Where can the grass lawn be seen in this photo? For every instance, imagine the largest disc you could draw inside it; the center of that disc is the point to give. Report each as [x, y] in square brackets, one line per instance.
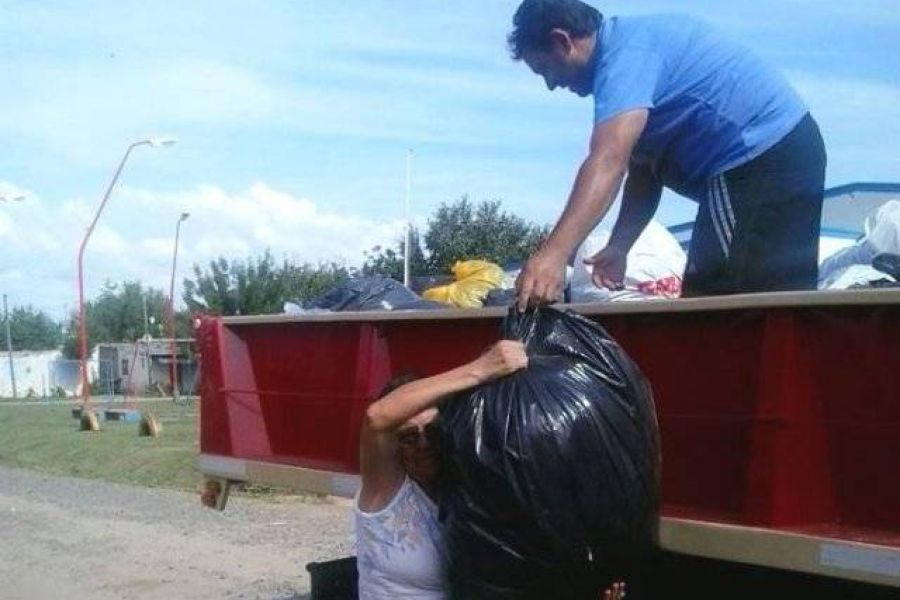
[44, 437]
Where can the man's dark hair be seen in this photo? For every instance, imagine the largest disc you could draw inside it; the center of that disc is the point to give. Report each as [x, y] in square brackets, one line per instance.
[535, 19]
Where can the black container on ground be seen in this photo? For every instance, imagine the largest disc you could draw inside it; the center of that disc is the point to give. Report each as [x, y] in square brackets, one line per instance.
[333, 579]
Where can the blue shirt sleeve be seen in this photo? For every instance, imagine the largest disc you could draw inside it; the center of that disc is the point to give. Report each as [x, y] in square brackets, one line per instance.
[625, 80]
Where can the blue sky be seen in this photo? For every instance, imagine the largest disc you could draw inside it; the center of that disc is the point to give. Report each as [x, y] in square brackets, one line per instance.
[293, 120]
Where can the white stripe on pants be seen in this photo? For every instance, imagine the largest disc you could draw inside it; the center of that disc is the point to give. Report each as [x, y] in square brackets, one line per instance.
[721, 212]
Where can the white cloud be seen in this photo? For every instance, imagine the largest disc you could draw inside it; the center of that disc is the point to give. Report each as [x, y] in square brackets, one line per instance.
[11, 212]
[159, 248]
[257, 92]
[11, 190]
[105, 241]
[6, 225]
[11, 276]
[259, 218]
[135, 234]
[213, 246]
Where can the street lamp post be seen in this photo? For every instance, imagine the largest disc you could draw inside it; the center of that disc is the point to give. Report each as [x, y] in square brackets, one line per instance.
[82, 324]
[173, 366]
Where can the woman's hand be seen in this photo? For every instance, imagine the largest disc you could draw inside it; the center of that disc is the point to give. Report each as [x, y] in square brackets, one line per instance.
[501, 359]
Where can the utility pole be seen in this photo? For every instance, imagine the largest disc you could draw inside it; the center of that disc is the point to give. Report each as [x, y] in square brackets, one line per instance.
[146, 321]
[407, 228]
[145, 360]
[12, 369]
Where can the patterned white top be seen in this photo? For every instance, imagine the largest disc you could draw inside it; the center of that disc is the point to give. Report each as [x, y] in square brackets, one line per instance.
[399, 549]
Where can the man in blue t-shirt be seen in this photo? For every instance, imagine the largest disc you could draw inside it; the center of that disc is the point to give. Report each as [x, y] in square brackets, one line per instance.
[678, 105]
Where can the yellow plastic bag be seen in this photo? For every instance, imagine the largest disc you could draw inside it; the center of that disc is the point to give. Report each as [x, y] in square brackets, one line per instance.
[474, 279]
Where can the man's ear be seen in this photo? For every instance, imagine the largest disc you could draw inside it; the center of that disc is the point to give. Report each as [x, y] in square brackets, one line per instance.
[561, 42]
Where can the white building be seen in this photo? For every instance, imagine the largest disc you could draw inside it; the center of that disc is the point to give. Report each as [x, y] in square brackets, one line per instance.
[38, 374]
[142, 366]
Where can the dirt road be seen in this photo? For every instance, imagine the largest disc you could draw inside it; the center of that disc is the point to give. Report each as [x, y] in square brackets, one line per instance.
[71, 538]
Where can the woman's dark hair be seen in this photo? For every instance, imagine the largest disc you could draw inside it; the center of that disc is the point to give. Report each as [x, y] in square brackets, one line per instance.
[535, 19]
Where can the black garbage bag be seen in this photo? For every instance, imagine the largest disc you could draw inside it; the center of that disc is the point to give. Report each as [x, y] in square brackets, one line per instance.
[552, 473]
[500, 298]
[371, 293]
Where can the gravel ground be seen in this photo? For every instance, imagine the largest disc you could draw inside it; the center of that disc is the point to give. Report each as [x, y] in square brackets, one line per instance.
[62, 537]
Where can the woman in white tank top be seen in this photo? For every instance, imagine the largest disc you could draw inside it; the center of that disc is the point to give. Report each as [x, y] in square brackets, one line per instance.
[398, 540]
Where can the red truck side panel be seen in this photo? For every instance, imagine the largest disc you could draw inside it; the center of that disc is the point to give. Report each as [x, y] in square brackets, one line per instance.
[775, 417]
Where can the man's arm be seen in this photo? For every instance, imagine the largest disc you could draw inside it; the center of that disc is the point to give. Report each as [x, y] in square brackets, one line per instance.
[596, 186]
[639, 203]
[640, 200]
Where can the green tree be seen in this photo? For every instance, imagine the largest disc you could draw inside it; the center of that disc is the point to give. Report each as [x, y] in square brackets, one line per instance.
[465, 231]
[212, 291]
[458, 231]
[389, 261]
[306, 282]
[249, 287]
[117, 315]
[32, 329]
[257, 285]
